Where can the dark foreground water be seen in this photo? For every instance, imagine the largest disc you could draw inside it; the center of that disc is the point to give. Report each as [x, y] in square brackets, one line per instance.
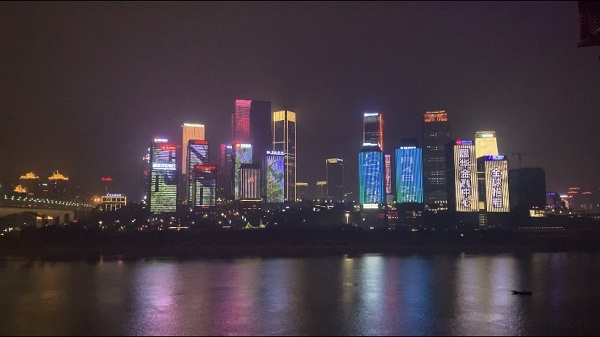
[452, 294]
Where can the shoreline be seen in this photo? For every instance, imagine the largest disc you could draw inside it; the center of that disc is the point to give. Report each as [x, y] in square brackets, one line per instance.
[285, 245]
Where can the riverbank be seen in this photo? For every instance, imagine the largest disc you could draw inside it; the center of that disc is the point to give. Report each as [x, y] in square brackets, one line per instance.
[68, 245]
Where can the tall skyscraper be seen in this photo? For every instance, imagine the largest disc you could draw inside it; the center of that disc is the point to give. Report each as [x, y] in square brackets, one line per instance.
[435, 136]
[189, 132]
[485, 144]
[274, 173]
[373, 129]
[527, 189]
[225, 173]
[163, 175]
[462, 176]
[334, 177]
[409, 173]
[493, 190]
[197, 154]
[284, 140]
[371, 186]
[204, 186]
[251, 124]
[242, 154]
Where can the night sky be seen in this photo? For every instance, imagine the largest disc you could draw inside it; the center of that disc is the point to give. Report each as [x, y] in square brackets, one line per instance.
[85, 87]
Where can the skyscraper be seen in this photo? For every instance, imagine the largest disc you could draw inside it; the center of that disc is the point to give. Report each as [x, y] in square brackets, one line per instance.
[251, 124]
[485, 144]
[242, 154]
[493, 190]
[462, 176]
[225, 173]
[274, 173]
[197, 154]
[373, 129]
[163, 177]
[189, 132]
[435, 136]
[409, 173]
[204, 186]
[284, 140]
[334, 176]
[371, 187]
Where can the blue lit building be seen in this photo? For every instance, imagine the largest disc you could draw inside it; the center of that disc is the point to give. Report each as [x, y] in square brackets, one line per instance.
[409, 174]
[371, 177]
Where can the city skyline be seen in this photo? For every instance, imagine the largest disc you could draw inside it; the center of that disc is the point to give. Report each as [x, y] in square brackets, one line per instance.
[100, 90]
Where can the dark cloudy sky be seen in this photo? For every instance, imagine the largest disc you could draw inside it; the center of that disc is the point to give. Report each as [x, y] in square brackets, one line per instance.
[85, 87]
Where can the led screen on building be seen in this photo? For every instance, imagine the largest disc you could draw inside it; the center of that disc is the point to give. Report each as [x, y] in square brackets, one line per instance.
[205, 186]
[242, 155]
[275, 174]
[465, 177]
[496, 185]
[370, 177]
[197, 154]
[250, 182]
[388, 174]
[163, 183]
[409, 174]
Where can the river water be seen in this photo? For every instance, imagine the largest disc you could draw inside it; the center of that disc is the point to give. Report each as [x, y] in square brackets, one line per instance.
[444, 294]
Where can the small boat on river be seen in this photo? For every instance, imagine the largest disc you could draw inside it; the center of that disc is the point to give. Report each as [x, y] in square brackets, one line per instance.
[521, 292]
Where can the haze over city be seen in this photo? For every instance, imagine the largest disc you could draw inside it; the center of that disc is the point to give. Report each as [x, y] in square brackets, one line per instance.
[87, 86]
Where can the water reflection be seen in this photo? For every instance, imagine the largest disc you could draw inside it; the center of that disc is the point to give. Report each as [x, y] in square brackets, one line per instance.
[361, 295]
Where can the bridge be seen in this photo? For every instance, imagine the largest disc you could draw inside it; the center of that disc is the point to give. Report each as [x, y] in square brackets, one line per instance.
[30, 210]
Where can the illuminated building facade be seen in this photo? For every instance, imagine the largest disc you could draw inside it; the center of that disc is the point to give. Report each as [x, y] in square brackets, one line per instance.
[31, 183]
[436, 135]
[197, 154]
[373, 129]
[146, 169]
[242, 154]
[388, 173]
[163, 177]
[112, 202]
[334, 177]
[250, 182]
[409, 174]
[204, 189]
[251, 124]
[190, 132]
[493, 190]
[274, 173]
[371, 177]
[527, 189]
[225, 173]
[284, 140]
[57, 186]
[462, 176]
[485, 144]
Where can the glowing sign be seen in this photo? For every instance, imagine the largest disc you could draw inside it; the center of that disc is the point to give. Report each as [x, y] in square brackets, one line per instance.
[371, 114]
[201, 142]
[465, 173]
[106, 179]
[276, 153]
[496, 183]
[164, 166]
[436, 116]
[388, 174]
[499, 157]
[168, 147]
[370, 206]
[161, 140]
